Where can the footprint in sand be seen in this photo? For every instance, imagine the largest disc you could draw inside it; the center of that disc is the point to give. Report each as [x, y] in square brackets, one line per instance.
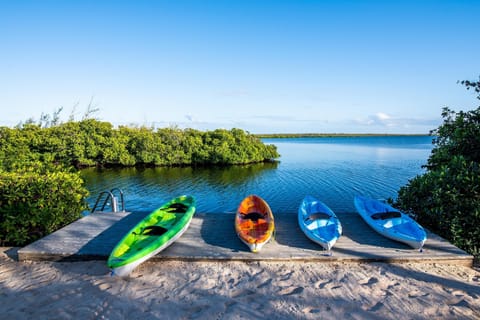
[458, 293]
[417, 294]
[286, 276]
[370, 281]
[258, 273]
[392, 286]
[311, 310]
[242, 293]
[327, 285]
[376, 307]
[291, 291]
[322, 285]
[461, 303]
[265, 284]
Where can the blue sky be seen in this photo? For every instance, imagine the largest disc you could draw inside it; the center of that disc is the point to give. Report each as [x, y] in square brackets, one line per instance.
[263, 66]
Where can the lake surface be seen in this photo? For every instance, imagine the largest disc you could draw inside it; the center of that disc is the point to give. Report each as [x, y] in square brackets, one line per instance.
[330, 169]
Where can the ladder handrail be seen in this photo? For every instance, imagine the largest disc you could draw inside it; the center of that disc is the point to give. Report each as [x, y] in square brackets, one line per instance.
[122, 201]
[108, 193]
[110, 196]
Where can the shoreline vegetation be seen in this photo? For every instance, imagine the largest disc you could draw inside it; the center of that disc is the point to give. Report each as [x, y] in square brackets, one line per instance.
[91, 142]
[336, 135]
[41, 189]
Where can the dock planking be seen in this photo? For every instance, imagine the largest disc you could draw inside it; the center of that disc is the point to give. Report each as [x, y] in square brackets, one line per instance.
[212, 237]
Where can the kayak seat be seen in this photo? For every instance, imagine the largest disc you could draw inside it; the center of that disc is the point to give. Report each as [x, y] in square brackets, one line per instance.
[153, 231]
[318, 216]
[386, 215]
[254, 216]
[317, 224]
[177, 208]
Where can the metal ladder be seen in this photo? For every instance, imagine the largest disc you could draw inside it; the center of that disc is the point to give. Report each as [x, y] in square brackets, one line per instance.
[110, 199]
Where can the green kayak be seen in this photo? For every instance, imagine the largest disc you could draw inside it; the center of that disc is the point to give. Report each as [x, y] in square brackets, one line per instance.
[152, 234]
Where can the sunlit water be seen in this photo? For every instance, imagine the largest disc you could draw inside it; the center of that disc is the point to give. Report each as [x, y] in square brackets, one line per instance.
[331, 169]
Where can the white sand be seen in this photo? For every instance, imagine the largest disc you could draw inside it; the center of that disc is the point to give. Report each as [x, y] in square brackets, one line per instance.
[236, 290]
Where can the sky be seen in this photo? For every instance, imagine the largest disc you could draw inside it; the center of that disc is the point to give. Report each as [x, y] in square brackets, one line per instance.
[262, 66]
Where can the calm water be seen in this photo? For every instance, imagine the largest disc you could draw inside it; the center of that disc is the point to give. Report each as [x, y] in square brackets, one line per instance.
[331, 169]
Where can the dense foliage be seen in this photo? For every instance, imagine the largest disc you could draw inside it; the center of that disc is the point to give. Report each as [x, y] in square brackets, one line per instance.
[93, 143]
[38, 200]
[41, 192]
[446, 199]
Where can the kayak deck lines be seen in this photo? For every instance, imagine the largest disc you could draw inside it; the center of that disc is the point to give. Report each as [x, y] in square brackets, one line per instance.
[212, 237]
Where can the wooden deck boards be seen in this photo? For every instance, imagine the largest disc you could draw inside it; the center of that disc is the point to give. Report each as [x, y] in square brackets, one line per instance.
[212, 237]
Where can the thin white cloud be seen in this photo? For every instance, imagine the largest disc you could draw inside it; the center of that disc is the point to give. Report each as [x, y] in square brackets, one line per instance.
[382, 116]
[378, 123]
[382, 119]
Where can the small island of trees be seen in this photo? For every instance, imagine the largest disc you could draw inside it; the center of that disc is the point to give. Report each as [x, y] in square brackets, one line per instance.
[41, 189]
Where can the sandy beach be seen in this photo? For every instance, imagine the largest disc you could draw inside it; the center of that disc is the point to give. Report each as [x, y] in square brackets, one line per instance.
[237, 290]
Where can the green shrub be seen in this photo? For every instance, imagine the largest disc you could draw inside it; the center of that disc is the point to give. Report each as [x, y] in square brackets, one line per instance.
[40, 191]
[34, 204]
[95, 143]
[446, 199]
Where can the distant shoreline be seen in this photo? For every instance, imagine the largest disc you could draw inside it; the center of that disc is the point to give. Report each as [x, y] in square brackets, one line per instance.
[334, 135]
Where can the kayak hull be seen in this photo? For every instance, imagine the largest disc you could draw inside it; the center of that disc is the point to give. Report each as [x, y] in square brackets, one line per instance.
[319, 223]
[151, 235]
[390, 222]
[254, 222]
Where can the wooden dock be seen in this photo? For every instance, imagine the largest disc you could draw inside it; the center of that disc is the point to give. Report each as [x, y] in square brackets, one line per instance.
[212, 237]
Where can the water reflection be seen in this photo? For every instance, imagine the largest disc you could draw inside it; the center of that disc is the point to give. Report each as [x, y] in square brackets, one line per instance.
[147, 188]
[332, 169]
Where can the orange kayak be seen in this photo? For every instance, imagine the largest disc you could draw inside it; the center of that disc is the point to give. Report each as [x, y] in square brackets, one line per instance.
[254, 222]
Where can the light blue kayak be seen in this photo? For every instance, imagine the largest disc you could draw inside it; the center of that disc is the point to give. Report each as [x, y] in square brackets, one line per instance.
[390, 222]
[319, 222]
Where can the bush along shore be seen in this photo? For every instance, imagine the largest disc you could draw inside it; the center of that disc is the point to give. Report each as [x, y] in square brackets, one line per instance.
[94, 143]
[40, 186]
[446, 199]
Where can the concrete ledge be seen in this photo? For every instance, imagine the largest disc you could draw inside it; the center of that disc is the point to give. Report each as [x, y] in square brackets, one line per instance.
[212, 237]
